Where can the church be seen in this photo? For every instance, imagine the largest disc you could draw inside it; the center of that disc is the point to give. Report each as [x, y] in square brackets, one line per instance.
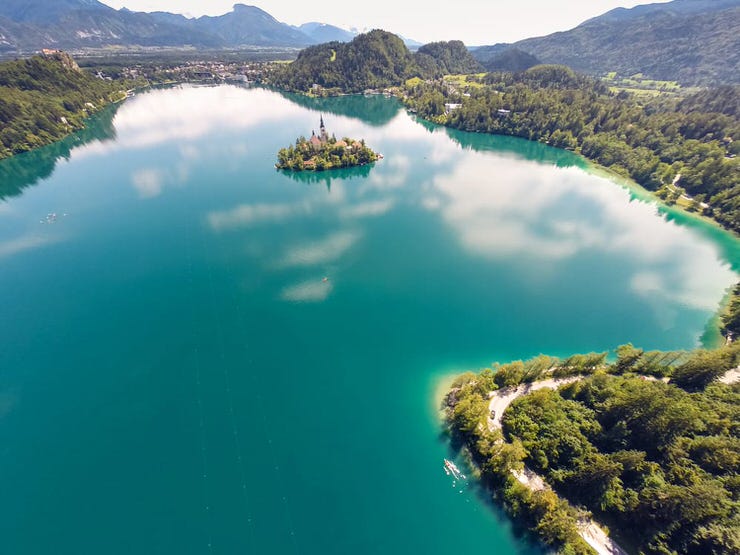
[322, 138]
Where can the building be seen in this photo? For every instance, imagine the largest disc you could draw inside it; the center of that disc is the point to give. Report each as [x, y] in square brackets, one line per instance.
[323, 135]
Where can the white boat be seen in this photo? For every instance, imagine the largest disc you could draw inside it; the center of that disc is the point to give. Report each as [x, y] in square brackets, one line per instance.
[451, 468]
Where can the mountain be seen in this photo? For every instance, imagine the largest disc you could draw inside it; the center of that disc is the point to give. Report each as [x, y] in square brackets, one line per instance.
[694, 42]
[44, 98]
[511, 59]
[444, 58]
[46, 11]
[29, 25]
[373, 60]
[250, 25]
[323, 32]
[377, 59]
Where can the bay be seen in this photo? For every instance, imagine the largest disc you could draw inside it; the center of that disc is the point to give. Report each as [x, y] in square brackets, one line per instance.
[201, 354]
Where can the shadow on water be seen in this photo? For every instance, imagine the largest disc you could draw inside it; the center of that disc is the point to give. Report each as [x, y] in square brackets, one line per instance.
[326, 177]
[374, 110]
[27, 169]
[523, 148]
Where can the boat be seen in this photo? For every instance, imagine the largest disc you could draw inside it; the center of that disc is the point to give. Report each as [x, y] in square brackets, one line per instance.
[452, 469]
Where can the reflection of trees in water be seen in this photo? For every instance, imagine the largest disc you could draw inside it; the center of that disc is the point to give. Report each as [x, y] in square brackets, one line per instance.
[378, 110]
[24, 170]
[523, 148]
[373, 110]
[326, 177]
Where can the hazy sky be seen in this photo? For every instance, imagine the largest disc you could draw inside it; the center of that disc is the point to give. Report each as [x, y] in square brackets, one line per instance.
[473, 21]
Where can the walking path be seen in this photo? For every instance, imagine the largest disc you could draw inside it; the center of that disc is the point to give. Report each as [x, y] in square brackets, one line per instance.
[588, 529]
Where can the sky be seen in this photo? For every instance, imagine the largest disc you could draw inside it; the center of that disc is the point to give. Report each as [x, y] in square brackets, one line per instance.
[476, 22]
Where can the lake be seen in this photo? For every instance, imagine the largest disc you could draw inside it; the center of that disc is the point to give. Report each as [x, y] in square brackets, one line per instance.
[202, 354]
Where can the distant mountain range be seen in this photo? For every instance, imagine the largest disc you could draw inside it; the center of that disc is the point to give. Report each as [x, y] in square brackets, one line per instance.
[694, 42]
[30, 25]
[691, 41]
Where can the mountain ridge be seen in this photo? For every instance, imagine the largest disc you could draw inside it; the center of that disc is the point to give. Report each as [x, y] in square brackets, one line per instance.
[693, 42]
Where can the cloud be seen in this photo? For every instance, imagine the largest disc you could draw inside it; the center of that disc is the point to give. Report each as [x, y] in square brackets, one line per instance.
[320, 252]
[307, 291]
[554, 214]
[25, 243]
[367, 209]
[148, 182]
[247, 215]
[391, 173]
[192, 112]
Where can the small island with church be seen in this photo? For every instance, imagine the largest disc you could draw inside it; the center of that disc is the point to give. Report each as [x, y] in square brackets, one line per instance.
[322, 152]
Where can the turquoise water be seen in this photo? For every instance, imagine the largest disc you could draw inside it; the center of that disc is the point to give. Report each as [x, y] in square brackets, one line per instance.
[176, 376]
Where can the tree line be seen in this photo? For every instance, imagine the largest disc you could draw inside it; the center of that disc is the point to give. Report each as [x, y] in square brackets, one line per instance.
[676, 149]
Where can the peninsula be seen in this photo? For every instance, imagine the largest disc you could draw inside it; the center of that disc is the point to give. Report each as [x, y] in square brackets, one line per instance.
[646, 443]
[322, 152]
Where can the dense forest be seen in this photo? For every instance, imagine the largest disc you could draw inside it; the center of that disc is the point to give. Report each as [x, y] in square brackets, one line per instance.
[374, 60]
[657, 459]
[685, 151]
[43, 99]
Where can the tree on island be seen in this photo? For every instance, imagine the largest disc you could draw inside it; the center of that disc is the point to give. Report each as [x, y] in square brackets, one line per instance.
[322, 152]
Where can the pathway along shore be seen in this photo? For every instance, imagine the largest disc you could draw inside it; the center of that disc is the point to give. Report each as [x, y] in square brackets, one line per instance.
[592, 533]
[589, 529]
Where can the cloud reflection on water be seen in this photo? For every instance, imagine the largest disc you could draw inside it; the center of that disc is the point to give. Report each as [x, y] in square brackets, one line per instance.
[499, 205]
[158, 117]
[318, 252]
[27, 242]
[315, 290]
[552, 215]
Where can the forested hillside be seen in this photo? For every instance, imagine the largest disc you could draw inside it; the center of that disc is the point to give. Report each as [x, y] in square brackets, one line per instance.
[43, 99]
[373, 60]
[687, 148]
[694, 42]
[443, 58]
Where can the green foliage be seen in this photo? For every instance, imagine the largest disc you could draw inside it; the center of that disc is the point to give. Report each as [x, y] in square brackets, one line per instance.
[325, 156]
[43, 100]
[374, 60]
[703, 367]
[666, 147]
[720, 100]
[510, 59]
[567, 423]
[444, 58]
[644, 452]
[654, 459]
[731, 317]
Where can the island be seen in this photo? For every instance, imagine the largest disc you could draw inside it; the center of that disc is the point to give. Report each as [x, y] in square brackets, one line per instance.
[322, 152]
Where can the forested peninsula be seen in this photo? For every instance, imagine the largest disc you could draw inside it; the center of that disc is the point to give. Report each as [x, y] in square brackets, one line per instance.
[682, 148]
[47, 97]
[647, 444]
